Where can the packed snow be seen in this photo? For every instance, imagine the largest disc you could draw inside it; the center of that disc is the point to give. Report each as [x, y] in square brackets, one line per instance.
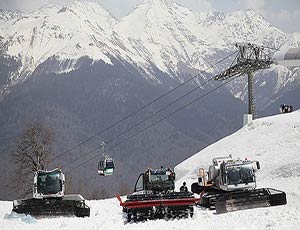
[274, 141]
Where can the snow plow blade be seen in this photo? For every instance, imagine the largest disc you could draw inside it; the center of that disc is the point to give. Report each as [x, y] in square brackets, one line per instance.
[146, 206]
[256, 198]
[69, 205]
[155, 201]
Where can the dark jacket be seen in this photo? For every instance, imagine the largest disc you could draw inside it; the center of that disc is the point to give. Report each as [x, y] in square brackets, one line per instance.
[183, 189]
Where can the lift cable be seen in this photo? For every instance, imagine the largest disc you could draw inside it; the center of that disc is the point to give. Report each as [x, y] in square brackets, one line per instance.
[155, 123]
[143, 121]
[140, 109]
[139, 132]
[146, 119]
[127, 116]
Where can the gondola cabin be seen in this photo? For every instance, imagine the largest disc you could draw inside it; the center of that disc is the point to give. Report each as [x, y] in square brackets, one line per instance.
[106, 166]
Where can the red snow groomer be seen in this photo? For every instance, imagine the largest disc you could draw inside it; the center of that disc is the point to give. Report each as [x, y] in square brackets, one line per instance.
[154, 197]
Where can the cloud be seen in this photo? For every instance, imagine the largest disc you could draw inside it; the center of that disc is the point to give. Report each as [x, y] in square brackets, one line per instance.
[196, 5]
[24, 6]
[257, 5]
[30, 5]
[119, 8]
[254, 4]
[285, 19]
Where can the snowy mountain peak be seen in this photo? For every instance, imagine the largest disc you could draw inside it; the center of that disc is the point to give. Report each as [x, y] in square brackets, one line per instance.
[166, 30]
[249, 15]
[158, 33]
[249, 11]
[155, 11]
[82, 29]
[6, 15]
[158, 2]
[215, 15]
[159, 8]
[47, 10]
[89, 12]
[87, 7]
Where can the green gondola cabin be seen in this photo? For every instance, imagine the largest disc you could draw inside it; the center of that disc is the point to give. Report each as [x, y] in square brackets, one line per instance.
[106, 166]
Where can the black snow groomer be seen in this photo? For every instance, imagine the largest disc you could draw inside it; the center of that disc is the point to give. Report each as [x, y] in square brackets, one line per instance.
[230, 185]
[49, 198]
[154, 198]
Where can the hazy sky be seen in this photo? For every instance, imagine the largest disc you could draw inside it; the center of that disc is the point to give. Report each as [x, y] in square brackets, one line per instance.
[284, 14]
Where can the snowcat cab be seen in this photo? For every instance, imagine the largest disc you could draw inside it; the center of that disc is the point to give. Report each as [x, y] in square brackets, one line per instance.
[228, 175]
[156, 181]
[236, 175]
[230, 185]
[106, 166]
[49, 198]
[48, 184]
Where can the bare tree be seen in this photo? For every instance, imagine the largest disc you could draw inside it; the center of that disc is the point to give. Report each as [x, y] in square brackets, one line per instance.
[31, 153]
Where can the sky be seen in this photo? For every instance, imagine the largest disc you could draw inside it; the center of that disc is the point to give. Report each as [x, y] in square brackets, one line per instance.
[285, 14]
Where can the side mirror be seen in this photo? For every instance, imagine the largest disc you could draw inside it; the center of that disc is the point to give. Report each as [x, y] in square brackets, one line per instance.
[257, 165]
[63, 177]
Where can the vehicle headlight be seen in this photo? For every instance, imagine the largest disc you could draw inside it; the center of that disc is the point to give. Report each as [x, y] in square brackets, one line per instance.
[17, 202]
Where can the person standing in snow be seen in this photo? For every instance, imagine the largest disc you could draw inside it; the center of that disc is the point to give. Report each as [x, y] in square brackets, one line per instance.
[183, 188]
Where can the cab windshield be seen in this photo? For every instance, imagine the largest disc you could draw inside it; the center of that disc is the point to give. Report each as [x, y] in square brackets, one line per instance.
[110, 164]
[240, 174]
[158, 175]
[49, 183]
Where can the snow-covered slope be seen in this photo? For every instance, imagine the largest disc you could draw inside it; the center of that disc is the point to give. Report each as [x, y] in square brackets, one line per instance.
[274, 141]
[164, 28]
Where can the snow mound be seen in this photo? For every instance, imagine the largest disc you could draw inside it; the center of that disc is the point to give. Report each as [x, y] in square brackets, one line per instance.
[28, 219]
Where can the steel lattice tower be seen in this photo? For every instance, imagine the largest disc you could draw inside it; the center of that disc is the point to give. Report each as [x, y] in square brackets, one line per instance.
[250, 58]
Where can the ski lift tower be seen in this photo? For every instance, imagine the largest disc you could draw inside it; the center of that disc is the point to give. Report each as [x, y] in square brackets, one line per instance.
[250, 58]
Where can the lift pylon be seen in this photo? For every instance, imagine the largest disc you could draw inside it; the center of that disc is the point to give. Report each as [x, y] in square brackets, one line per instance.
[250, 59]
